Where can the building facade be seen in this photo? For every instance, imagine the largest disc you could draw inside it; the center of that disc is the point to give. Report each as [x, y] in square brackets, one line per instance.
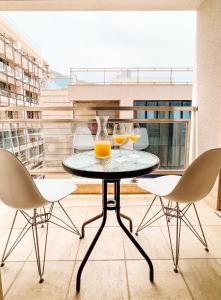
[22, 74]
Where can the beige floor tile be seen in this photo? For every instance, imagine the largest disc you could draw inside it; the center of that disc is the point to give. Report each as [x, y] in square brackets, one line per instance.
[77, 214]
[203, 278]
[190, 246]
[105, 276]
[57, 277]
[109, 246]
[62, 245]
[167, 284]
[23, 249]
[213, 236]
[9, 273]
[2, 232]
[136, 200]
[152, 241]
[101, 280]
[136, 213]
[206, 214]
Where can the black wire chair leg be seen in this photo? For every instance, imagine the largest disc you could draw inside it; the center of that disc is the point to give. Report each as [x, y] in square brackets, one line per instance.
[75, 228]
[88, 222]
[177, 215]
[201, 228]
[40, 266]
[129, 220]
[144, 217]
[168, 229]
[22, 233]
[178, 233]
[6, 246]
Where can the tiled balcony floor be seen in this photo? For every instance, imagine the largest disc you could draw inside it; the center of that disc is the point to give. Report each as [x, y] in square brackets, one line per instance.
[115, 269]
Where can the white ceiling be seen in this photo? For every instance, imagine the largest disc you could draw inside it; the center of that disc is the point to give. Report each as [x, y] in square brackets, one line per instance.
[102, 5]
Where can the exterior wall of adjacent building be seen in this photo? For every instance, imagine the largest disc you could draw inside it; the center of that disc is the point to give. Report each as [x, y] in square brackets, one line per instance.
[22, 73]
[127, 93]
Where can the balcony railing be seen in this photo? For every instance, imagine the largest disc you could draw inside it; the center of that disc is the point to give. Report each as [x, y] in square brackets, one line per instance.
[169, 138]
[88, 76]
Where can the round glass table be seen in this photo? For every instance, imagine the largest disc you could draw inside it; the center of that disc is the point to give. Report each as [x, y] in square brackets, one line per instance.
[85, 164]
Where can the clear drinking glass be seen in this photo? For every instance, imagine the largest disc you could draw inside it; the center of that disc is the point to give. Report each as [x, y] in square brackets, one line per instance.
[120, 137]
[134, 135]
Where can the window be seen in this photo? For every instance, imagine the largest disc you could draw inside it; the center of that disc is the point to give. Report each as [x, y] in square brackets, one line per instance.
[166, 140]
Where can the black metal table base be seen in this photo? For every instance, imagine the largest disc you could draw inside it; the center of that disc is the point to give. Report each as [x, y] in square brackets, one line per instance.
[111, 205]
[100, 216]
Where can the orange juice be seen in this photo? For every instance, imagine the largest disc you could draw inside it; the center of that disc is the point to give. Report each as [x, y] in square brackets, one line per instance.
[102, 149]
[134, 137]
[119, 139]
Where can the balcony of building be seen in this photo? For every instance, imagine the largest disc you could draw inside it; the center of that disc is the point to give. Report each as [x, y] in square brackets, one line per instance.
[115, 269]
[42, 143]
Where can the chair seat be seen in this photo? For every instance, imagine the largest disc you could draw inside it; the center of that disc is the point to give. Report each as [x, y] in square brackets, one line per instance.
[160, 186]
[55, 189]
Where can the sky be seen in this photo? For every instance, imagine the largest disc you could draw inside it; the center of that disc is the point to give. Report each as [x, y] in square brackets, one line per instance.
[109, 39]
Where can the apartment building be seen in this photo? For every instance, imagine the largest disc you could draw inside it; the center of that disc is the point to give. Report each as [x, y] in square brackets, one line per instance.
[168, 132]
[22, 73]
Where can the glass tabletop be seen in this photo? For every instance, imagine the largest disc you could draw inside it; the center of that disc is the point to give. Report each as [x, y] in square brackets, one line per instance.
[85, 164]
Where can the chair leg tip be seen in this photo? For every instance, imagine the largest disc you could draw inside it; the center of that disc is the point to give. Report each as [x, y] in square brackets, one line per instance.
[207, 250]
[136, 233]
[175, 270]
[41, 280]
[2, 264]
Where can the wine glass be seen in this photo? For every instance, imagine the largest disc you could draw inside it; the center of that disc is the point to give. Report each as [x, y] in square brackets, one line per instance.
[134, 136]
[119, 137]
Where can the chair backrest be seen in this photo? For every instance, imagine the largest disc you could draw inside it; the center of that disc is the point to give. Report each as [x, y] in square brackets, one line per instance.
[17, 189]
[83, 139]
[143, 141]
[199, 178]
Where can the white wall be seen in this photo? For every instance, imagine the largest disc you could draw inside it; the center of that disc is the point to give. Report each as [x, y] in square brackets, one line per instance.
[208, 81]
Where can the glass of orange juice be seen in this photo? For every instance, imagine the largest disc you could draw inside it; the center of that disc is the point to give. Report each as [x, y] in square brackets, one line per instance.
[134, 136]
[102, 149]
[120, 137]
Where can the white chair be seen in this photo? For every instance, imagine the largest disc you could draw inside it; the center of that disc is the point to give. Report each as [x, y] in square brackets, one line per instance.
[195, 184]
[143, 142]
[83, 139]
[19, 191]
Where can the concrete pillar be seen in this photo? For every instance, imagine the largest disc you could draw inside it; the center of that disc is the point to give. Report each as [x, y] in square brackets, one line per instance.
[208, 79]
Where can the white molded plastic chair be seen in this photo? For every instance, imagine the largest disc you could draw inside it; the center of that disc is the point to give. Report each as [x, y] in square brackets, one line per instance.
[83, 139]
[19, 191]
[195, 184]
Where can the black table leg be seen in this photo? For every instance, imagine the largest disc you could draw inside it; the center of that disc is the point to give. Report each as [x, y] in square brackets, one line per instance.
[113, 205]
[133, 240]
[100, 215]
[123, 215]
[129, 219]
[104, 193]
[88, 222]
